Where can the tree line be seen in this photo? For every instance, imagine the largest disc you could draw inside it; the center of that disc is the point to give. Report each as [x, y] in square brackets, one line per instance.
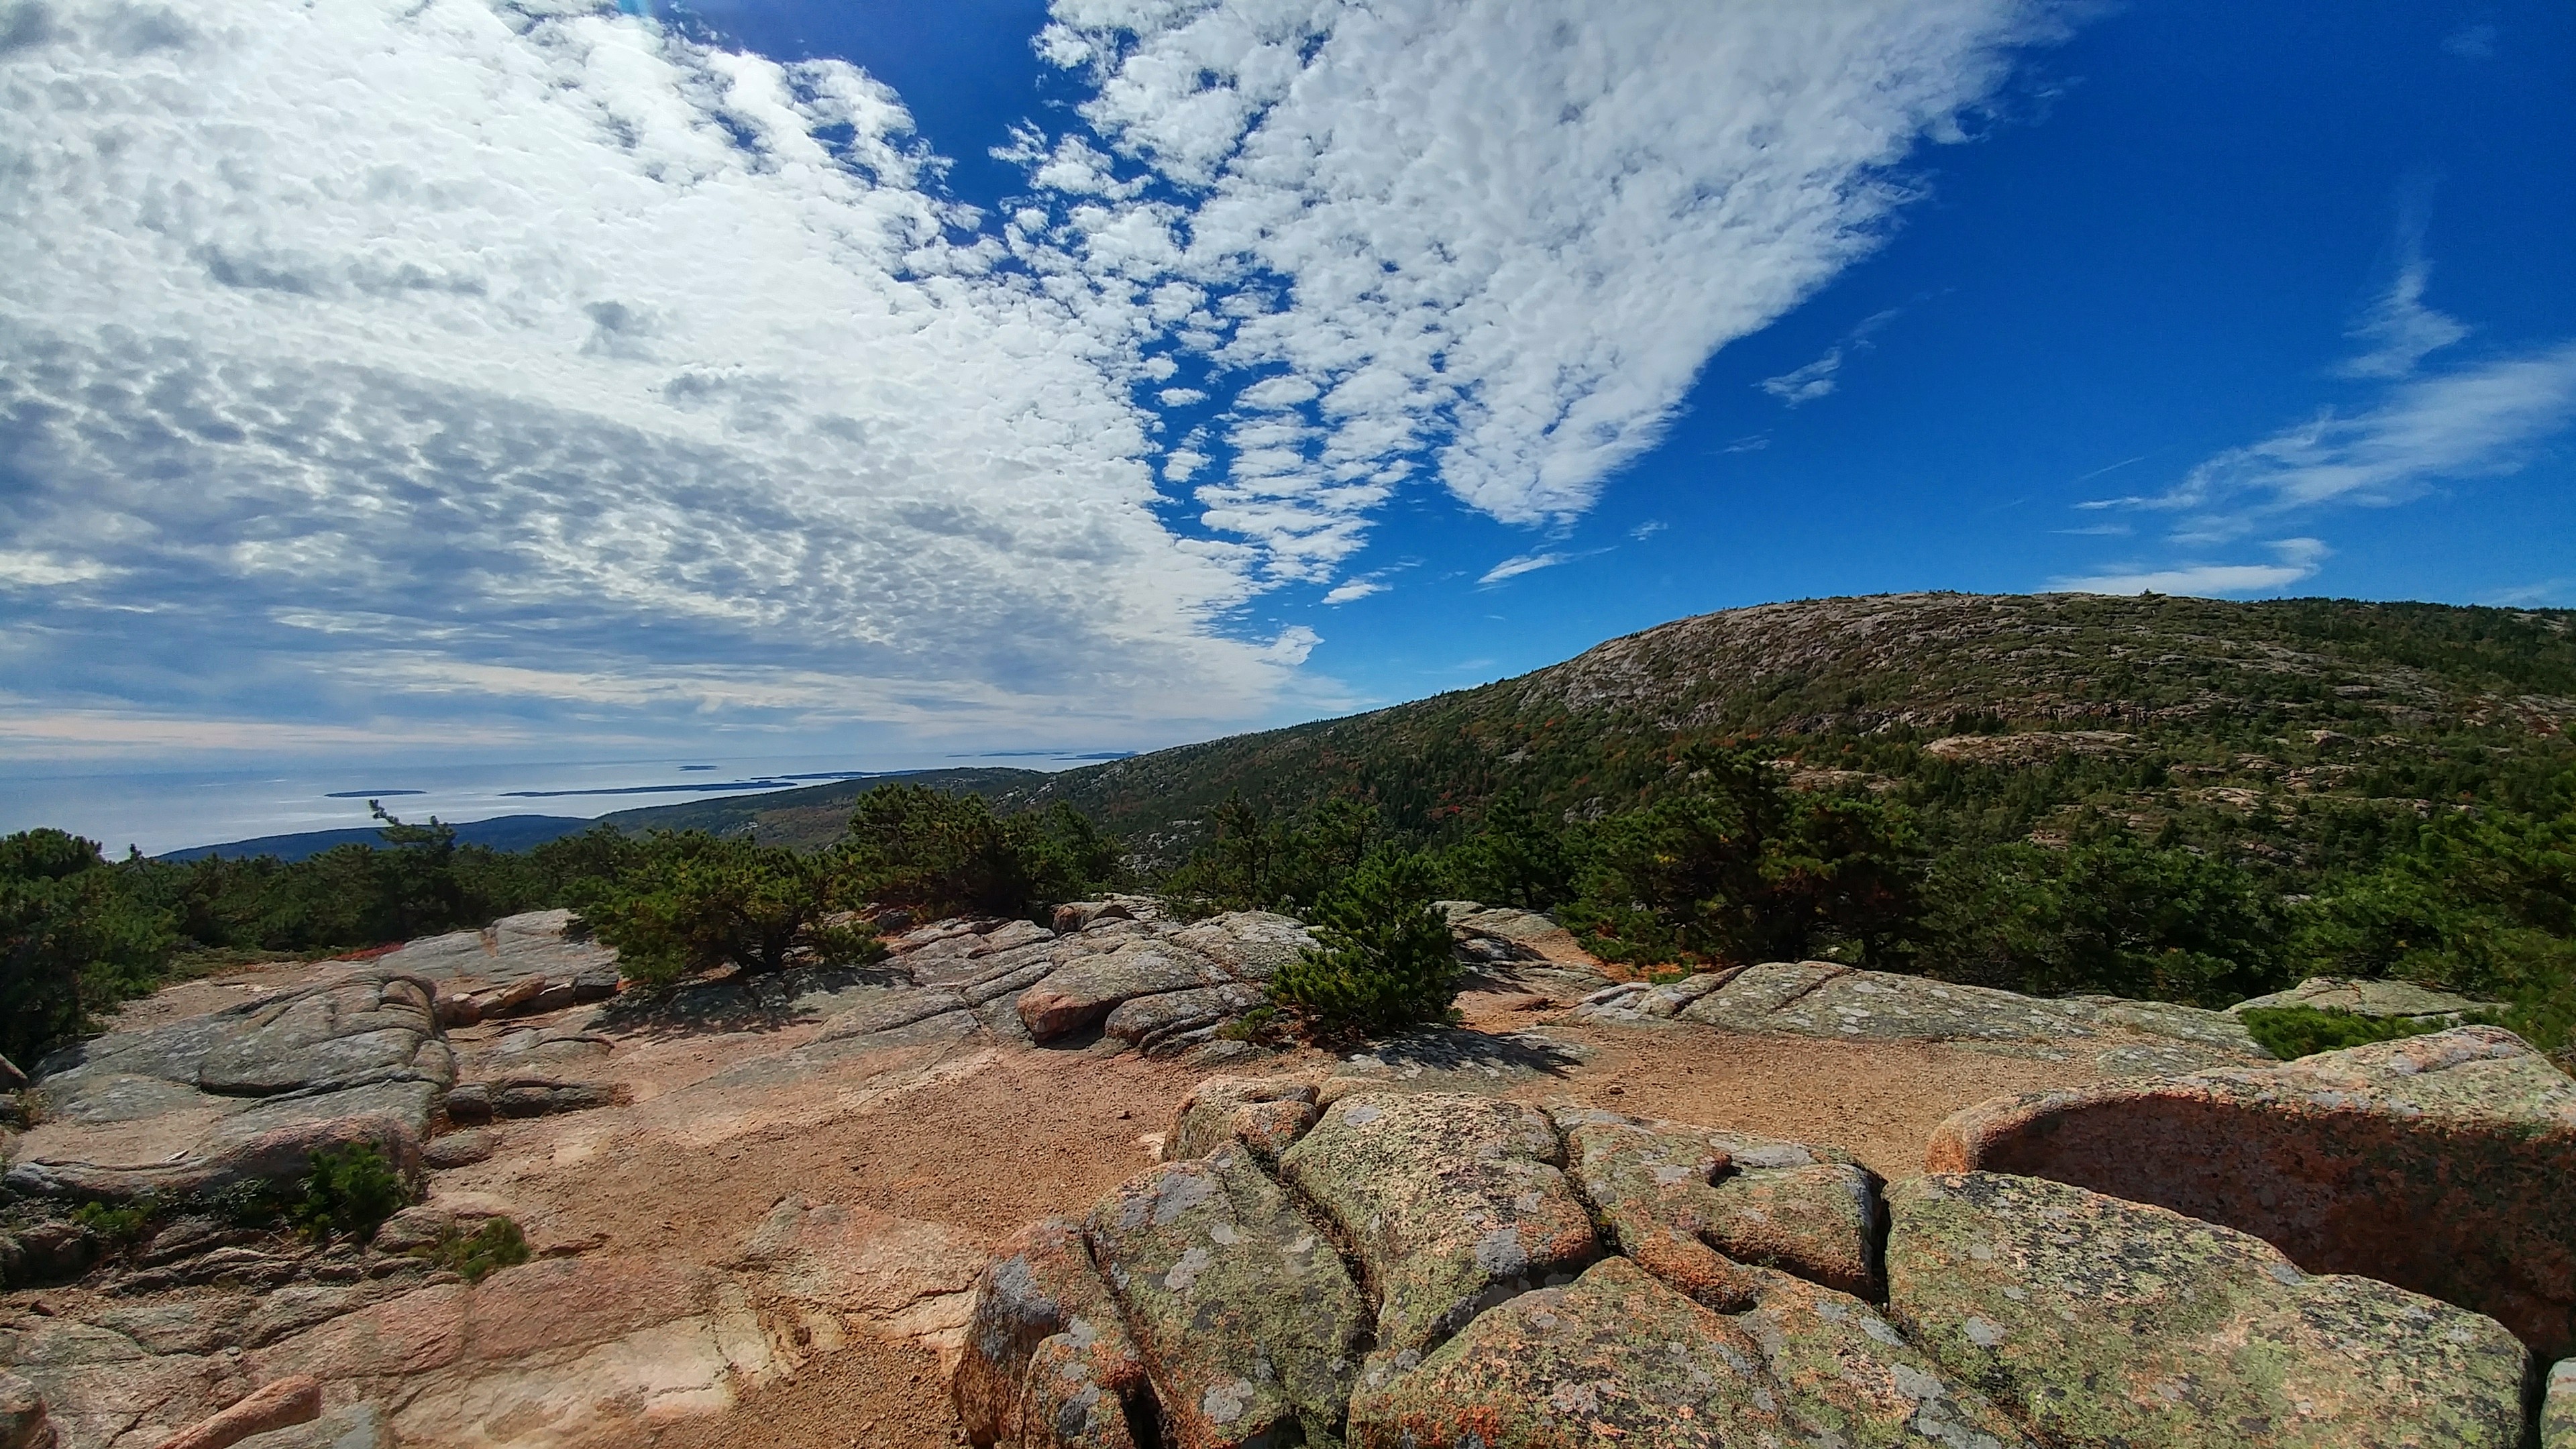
[1727, 863]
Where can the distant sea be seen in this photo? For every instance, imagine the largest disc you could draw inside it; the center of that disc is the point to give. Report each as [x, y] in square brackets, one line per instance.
[162, 811]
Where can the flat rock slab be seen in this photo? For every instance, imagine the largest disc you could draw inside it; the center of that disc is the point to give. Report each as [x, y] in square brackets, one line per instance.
[1249, 1325]
[2439, 1163]
[1820, 998]
[247, 1093]
[1451, 1204]
[1692, 1205]
[2095, 1321]
[537, 944]
[2371, 998]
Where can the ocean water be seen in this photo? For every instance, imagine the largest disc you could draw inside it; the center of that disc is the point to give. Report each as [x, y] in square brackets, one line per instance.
[157, 811]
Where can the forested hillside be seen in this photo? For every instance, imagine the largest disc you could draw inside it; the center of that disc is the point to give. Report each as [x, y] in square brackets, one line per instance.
[2032, 706]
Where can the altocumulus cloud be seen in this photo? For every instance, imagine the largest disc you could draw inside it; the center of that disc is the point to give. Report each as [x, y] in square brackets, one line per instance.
[527, 368]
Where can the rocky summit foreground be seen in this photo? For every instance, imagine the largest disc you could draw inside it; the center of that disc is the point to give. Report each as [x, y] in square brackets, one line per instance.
[1514, 1277]
[995, 1173]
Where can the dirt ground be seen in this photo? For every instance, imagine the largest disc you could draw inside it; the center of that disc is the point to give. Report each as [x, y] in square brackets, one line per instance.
[984, 1139]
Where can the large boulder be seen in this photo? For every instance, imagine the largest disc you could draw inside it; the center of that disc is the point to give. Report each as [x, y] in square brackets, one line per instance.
[1691, 1205]
[2439, 1163]
[1046, 1353]
[24, 1423]
[1265, 1114]
[1452, 1204]
[1083, 992]
[244, 1094]
[2095, 1321]
[1249, 1326]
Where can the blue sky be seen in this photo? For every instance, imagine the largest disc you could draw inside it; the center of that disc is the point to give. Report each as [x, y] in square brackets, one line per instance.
[392, 381]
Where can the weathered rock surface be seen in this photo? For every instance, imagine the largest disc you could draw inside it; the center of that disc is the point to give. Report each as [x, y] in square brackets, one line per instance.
[2558, 1407]
[1047, 1359]
[23, 1421]
[1820, 998]
[1613, 1357]
[2439, 1163]
[1144, 982]
[1691, 1205]
[2373, 998]
[1847, 1376]
[287, 1402]
[359, 1426]
[2095, 1321]
[1451, 1204]
[1504, 948]
[538, 961]
[1247, 1322]
[246, 1093]
[1266, 1114]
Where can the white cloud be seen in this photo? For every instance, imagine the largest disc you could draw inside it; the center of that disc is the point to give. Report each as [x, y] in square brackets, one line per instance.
[1808, 383]
[2297, 559]
[1648, 529]
[2399, 330]
[524, 365]
[1354, 591]
[1500, 237]
[534, 343]
[1527, 563]
[2475, 422]
[1818, 378]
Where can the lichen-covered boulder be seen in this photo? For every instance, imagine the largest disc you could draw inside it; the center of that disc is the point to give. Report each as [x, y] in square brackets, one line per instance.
[1848, 1377]
[1614, 1357]
[1690, 1204]
[2558, 1407]
[1451, 1203]
[1265, 1114]
[1046, 1359]
[2095, 1321]
[2439, 1163]
[1248, 1325]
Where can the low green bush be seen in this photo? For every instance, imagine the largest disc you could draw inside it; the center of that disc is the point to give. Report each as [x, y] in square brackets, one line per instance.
[495, 1245]
[1383, 960]
[119, 1223]
[2291, 1032]
[349, 1192]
